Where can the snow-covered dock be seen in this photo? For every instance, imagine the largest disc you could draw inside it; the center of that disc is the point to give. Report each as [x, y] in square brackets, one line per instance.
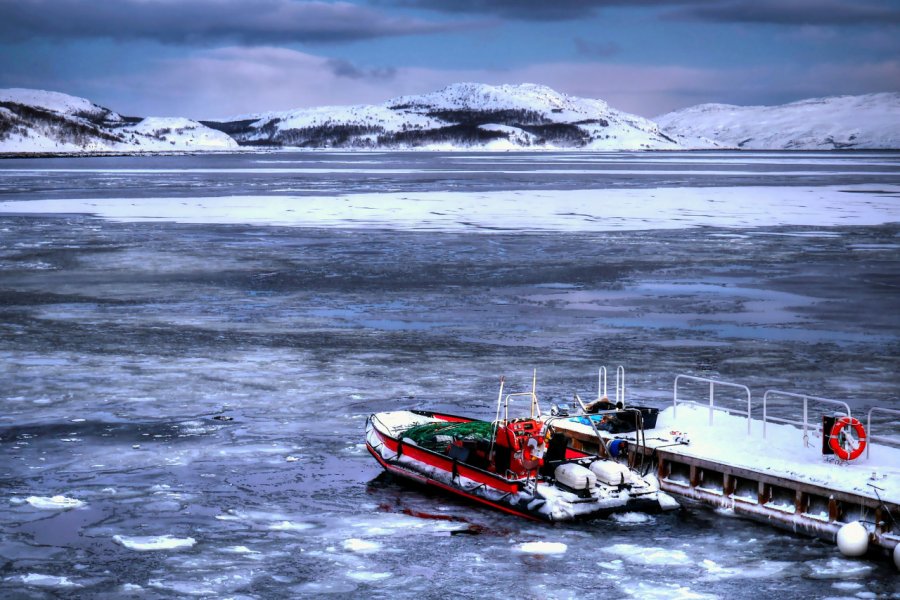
[771, 469]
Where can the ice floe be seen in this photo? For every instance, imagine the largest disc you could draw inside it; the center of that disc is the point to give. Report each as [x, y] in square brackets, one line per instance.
[45, 581]
[649, 556]
[53, 502]
[290, 526]
[541, 548]
[368, 576]
[154, 542]
[838, 568]
[664, 591]
[361, 546]
[542, 210]
[632, 518]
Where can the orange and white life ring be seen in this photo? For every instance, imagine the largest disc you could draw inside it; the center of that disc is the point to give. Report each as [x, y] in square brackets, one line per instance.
[857, 445]
[533, 454]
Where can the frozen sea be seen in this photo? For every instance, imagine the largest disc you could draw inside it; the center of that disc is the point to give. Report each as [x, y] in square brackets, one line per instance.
[191, 345]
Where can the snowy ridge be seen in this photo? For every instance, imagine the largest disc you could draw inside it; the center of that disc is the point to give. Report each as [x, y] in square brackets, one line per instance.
[462, 115]
[40, 121]
[871, 121]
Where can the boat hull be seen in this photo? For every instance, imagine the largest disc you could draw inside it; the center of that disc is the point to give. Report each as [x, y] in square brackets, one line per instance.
[530, 497]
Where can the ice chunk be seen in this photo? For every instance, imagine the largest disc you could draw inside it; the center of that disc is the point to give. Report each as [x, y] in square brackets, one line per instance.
[239, 550]
[665, 591]
[632, 518]
[846, 585]
[542, 548]
[649, 556]
[361, 546]
[290, 526]
[154, 542]
[47, 581]
[53, 502]
[667, 502]
[838, 568]
[368, 576]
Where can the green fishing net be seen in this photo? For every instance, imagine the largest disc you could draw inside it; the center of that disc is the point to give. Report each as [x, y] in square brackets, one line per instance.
[435, 436]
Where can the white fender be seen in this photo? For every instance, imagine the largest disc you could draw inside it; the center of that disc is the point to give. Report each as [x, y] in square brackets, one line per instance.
[575, 476]
[610, 473]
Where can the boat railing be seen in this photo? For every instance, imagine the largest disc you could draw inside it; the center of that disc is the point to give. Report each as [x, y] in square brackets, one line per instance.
[884, 439]
[620, 385]
[713, 384]
[804, 424]
[535, 406]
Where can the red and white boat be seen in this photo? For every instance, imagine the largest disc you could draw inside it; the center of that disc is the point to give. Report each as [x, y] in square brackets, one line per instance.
[519, 466]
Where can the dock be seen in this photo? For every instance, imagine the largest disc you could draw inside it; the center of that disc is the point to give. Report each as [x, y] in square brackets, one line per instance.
[735, 455]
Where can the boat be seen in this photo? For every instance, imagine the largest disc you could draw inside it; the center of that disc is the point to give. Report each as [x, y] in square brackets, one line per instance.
[520, 466]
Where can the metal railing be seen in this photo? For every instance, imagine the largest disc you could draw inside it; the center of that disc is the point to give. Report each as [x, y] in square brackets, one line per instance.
[806, 398]
[712, 397]
[620, 385]
[880, 437]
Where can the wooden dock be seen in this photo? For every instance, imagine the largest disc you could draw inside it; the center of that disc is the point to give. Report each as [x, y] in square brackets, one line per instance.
[771, 470]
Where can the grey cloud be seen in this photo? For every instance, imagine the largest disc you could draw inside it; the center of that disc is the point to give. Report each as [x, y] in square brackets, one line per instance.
[794, 12]
[596, 49]
[204, 21]
[345, 68]
[535, 10]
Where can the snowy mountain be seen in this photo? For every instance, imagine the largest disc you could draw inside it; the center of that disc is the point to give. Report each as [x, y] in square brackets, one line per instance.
[871, 121]
[40, 121]
[464, 115]
[460, 116]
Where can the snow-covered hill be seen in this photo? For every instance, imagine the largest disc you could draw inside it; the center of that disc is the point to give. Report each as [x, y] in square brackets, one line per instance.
[40, 121]
[460, 116]
[466, 115]
[871, 121]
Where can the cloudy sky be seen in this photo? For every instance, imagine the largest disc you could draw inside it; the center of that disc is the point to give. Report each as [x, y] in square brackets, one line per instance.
[219, 58]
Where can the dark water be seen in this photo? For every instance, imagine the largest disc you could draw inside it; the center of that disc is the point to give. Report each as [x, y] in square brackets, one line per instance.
[212, 382]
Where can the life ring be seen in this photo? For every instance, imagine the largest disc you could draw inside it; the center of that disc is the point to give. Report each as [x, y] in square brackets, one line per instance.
[532, 454]
[837, 433]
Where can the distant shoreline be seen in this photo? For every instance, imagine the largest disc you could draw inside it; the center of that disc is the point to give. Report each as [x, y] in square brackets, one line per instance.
[298, 150]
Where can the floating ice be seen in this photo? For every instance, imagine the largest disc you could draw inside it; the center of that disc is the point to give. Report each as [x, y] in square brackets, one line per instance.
[632, 518]
[53, 502]
[367, 576]
[154, 542]
[239, 550]
[838, 568]
[649, 556]
[361, 546]
[545, 210]
[613, 565]
[665, 591]
[290, 526]
[846, 585]
[46, 581]
[542, 548]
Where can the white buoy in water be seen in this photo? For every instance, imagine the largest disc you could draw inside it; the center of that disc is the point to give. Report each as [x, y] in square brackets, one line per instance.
[853, 539]
[897, 556]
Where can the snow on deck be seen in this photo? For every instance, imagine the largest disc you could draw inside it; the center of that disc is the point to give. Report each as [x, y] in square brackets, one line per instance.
[781, 454]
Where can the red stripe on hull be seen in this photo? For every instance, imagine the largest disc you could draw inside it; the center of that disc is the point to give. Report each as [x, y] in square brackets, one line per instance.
[433, 459]
[427, 481]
